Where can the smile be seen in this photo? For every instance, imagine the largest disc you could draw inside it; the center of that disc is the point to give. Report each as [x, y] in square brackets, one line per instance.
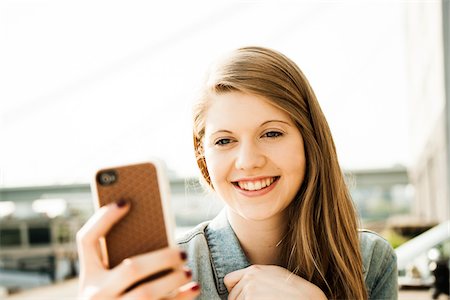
[256, 185]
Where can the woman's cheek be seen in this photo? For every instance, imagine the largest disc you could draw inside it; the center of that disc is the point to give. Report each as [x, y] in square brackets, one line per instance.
[213, 165]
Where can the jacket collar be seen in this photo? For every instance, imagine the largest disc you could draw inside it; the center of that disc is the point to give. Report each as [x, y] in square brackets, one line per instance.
[226, 252]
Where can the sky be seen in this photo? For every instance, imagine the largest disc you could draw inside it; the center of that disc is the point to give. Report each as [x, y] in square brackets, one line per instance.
[89, 84]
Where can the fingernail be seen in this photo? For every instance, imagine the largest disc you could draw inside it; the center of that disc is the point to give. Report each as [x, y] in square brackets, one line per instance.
[183, 255]
[195, 288]
[121, 203]
[188, 273]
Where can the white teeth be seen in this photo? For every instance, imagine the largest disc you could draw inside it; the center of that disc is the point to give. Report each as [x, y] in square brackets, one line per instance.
[255, 185]
[251, 186]
[258, 185]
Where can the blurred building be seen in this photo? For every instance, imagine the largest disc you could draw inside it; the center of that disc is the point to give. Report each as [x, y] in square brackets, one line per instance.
[428, 53]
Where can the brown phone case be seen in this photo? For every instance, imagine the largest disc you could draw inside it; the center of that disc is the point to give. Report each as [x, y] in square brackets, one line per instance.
[147, 225]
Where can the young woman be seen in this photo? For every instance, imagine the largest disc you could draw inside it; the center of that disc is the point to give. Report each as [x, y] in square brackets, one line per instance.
[289, 229]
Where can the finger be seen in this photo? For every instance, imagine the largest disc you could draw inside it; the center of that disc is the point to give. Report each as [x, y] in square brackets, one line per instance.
[161, 287]
[237, 291]
[188, 291]
[96, 227]
[141, 266]
[232, 278]
[240, 281]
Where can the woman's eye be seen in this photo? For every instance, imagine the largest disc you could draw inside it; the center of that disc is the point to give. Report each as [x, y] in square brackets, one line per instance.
[272, 134]
[222, 142]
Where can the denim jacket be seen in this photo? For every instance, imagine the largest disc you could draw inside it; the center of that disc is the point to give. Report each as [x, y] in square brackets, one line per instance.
[214, 251]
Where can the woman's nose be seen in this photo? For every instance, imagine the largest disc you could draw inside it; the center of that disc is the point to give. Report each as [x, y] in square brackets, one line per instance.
[249, 156]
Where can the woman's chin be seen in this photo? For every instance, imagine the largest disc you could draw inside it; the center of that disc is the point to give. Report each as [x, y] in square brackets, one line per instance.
[252, 214]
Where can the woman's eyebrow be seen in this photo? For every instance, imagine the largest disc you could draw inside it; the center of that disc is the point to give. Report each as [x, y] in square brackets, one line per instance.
[262, 124]
[280, 121]
[220, 131]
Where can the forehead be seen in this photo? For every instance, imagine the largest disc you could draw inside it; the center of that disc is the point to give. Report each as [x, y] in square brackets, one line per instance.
[237, 109]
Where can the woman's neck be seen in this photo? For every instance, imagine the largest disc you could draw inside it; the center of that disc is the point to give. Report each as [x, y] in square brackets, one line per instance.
[259, 239]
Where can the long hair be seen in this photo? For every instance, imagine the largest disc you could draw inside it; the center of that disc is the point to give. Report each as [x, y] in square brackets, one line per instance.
[322, 242]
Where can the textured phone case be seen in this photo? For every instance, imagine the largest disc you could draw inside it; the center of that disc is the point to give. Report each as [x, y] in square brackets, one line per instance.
[143, 228]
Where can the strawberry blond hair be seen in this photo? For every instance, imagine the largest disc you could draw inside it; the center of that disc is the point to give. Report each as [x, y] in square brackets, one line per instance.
[322, 242]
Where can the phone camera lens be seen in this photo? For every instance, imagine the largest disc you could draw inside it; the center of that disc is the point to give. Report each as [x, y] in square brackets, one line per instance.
[107, 178]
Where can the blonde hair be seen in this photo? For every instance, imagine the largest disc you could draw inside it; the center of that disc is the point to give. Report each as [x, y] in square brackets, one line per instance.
[322, 243]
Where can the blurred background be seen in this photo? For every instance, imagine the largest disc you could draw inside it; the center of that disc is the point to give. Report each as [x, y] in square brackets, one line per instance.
[89, 84]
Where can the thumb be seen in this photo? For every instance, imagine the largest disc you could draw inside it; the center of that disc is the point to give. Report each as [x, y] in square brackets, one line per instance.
[232, 278]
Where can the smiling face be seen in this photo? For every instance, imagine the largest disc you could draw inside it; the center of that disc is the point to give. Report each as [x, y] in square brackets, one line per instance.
[254, 154]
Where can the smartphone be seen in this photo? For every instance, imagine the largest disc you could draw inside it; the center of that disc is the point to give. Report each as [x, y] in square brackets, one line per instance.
[148, 226]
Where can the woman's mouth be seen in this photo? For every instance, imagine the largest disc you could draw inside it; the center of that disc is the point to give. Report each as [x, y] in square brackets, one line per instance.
[255, 185]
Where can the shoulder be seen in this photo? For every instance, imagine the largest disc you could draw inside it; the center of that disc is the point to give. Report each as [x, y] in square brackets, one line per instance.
[372, 241]
[193, 236]
[373, 244]
[379, 265]
[195, 244]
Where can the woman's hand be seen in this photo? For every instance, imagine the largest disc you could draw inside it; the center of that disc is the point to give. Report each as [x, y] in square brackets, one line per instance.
[269, 282]
[98, 282]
